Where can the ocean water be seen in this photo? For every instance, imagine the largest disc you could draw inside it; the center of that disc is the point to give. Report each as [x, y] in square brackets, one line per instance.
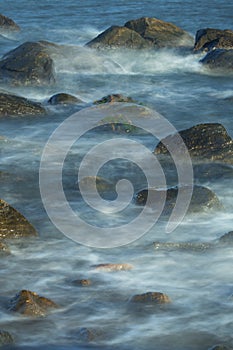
[169, 82]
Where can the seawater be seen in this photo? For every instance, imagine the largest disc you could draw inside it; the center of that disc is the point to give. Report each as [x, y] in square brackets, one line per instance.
[179, 88]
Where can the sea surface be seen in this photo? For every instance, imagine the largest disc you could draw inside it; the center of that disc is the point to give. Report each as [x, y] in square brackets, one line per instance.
[169, 82]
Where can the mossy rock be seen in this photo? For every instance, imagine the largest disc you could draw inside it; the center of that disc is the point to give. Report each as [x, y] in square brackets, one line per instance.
[29, 303]
[13, 224]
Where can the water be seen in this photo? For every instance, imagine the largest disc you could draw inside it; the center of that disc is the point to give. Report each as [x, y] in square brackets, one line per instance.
[170, 82]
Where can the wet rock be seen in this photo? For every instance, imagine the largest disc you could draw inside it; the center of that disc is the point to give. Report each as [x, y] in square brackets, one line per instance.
[160, 33]
[142, 33]
[91, 183]
[7, 24]
[212, 172]
[86, 335]
[208, 39]
[202, 199]
[182, 246]
[63, 98]
[113, 267]
[151, 297]
[114, 98]
[28, 64]
[12, 105]
[82, 282]
[13, 224]
[4, 250]
[31, 304]
[208, 141]
[5, 338]
[219, 60]
[227, 238]
[116, 37]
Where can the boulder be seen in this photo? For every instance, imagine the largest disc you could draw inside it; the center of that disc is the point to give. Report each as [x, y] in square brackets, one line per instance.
[5, 338]
[151, 298]
[13, 105]
[208, 141]
[7, 24]
[208, 39]
[115, 37]
[114, 98]
[160, 33]
[28, 64]
[63, 98]
[219, 59]
[142, 33]
[202, 199]
[13, 224]
[31, 304]
[112, 267]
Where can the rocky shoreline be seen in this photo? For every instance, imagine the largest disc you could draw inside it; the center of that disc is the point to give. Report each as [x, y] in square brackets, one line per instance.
[208, 144]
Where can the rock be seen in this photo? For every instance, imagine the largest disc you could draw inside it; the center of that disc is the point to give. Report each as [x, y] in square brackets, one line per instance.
[159, 33]
[82, 282]
[113, 267]
[183, 246]
[28, 64]
[12, 105]
[63, 98]
[227, 238]
[219, 59]
[31, 304]
[208, 141]
[4, 250]
[114, 98]
[86, 334]
[142, 33]
[151, 298]
[116, 37]
[5, 338]
[13, 224]
[7, 24]
[90, 183]
[208, 39]
[202, 199]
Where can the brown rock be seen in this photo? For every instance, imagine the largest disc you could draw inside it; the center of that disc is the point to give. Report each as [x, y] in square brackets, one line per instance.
[5, 338]
[31, 304]
[7, 23]
[151, 297]
[82, 282]
[13, 224]
[4, 250]
[114, 98]
[113, 267]
[208, 39]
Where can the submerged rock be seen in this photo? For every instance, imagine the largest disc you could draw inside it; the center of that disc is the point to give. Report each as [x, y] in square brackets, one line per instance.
[183, 246]
[13, 224]
[82, 282]
[4, 250]
[202, 199]
[28, 64]
[90, 183]
[114, 98]
[227, 238]
[113, 267]
[6, 338]
[142, 33]
[12, 105]
[208, 39]
[63, 98]
[31, 304]
[221, 347]
[151, 297]
[208, 141]
[7, 24]
[219, 59]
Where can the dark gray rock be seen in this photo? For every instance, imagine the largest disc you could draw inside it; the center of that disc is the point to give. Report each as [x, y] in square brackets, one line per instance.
[203, 141]
[63, 98]
[7, 24]
[227, 238]
[5, 338]
[142, 33]
[13, 224]
[28, 64]
[219, 59]
[31, 304]
[208, 39]
[12, 105]
[202, 199]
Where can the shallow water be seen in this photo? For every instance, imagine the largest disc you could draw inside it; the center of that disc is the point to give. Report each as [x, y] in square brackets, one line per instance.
[171, 82]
